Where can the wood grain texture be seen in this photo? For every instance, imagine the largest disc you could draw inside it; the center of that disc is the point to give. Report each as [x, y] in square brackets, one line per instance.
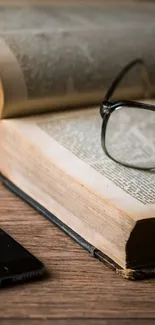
[77, 321]
[80, 289]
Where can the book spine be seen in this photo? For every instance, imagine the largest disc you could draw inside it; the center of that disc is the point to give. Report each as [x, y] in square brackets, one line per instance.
[129, 274]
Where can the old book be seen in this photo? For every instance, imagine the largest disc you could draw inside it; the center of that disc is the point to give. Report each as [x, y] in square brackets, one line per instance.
[55, 69]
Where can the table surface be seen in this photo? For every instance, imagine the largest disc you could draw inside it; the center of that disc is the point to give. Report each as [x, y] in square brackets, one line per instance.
[79, 290]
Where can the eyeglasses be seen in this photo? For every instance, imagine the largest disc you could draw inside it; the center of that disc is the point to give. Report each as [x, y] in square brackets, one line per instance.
[128, 127]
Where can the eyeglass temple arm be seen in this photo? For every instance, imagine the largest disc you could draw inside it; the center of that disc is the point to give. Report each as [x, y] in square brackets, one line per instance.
[122, 74]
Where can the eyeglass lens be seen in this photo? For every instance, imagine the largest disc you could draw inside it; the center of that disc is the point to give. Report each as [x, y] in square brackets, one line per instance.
[130, 136]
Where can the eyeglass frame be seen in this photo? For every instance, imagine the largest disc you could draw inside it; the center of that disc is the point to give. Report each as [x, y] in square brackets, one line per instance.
[108, 107]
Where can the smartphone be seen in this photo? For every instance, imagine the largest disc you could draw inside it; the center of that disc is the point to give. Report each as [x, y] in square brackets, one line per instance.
[16, 263]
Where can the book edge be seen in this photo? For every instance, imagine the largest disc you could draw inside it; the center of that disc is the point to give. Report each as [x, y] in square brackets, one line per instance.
[130, 274]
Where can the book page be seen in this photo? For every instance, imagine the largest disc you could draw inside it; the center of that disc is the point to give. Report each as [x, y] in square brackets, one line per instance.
[67, 56]
[81, 135]
[130, 137]
[72, 141]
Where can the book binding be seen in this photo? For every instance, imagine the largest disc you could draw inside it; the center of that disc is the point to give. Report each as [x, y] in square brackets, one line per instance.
[130, 274]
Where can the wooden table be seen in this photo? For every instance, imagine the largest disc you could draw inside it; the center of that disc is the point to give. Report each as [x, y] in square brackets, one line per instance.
[80, 289]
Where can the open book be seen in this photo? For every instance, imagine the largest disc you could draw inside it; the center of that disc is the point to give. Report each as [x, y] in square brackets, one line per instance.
[56, 64]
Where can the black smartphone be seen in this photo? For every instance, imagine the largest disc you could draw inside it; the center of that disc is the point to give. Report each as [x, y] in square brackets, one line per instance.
[16, 263]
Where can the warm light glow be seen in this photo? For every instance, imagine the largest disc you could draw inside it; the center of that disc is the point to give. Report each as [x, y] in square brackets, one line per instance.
[1, 97]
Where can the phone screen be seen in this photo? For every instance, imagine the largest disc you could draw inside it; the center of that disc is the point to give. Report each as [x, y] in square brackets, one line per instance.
[16, 263]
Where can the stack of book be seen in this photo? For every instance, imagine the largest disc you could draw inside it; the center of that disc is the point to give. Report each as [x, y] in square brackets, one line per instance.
[56, 64]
